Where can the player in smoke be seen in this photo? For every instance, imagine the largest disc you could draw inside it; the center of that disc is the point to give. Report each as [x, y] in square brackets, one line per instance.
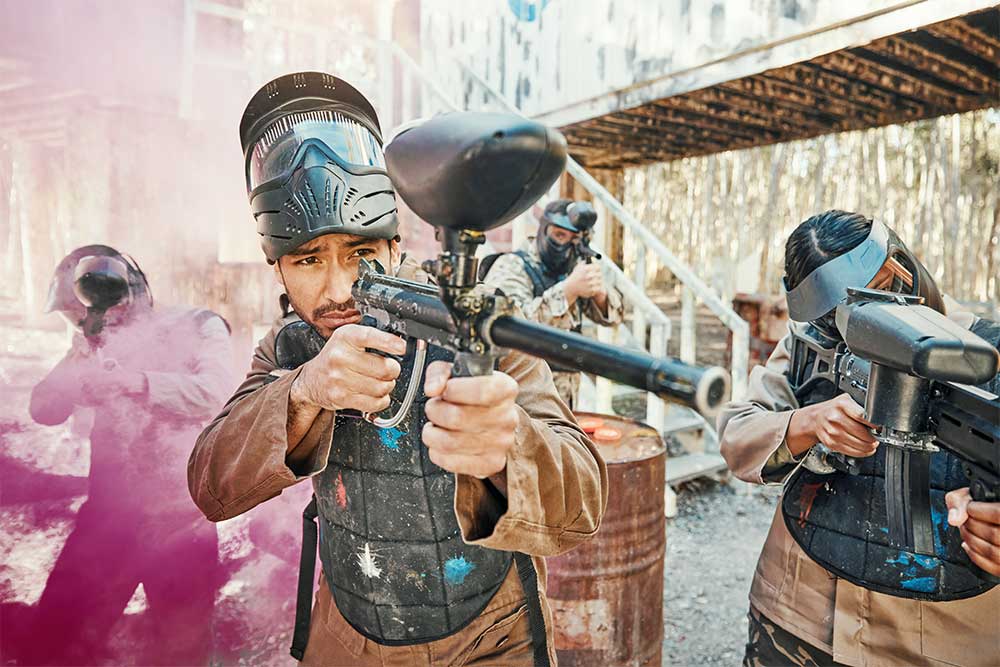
[151, 378]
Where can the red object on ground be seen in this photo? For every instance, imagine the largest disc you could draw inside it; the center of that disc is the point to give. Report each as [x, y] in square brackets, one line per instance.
[608, 434]
[591, 424]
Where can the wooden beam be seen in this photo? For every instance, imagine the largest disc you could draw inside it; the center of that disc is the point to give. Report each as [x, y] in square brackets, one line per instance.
[824, 110]
[658, 133]
[696, 103]
[929, 63]
[602, 140]
[797, 120]
[858, 64]
[656, 115]
[853, 93]
[968, 38]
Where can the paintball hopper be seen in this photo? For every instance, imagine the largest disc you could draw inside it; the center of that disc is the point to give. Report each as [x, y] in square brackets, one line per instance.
[582, 215]
[474, 171]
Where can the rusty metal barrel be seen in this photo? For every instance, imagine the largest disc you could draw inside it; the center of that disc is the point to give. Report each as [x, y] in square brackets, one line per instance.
[607, 594]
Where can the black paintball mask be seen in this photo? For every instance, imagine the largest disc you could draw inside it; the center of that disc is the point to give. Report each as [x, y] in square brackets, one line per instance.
[314, 163]
[816, 298]
[95, 287]
[558, 258]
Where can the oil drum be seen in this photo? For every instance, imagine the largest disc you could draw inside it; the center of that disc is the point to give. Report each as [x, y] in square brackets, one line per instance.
[607, 594]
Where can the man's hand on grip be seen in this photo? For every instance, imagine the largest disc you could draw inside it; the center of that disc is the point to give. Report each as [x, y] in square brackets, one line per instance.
[471, 420]
[344, 376]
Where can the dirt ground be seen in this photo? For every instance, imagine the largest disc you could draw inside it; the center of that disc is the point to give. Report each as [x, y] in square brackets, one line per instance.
[712, 549]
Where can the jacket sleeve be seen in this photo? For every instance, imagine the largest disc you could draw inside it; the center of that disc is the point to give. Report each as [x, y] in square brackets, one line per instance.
[752, 431]
[509, 275]
[556, 482]
[241, 458]
[615, 308]
[52, 399]
[200, 393]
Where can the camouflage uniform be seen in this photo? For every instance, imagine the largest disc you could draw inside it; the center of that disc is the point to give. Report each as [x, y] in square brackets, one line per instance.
[508, 273]
[768, 645]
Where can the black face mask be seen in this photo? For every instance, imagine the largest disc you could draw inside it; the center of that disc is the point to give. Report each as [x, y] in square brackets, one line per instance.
[557, 257]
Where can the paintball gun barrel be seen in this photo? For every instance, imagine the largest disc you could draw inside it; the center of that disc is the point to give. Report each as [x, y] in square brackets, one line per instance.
[583, 216]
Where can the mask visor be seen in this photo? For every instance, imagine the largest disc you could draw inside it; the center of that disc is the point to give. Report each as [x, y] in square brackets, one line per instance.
[826, 287]
[272, 154]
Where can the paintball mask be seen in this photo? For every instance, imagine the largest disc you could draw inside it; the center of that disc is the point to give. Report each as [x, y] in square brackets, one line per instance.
[314, 163]
[93, 280]
[557, 257]
[816, 298]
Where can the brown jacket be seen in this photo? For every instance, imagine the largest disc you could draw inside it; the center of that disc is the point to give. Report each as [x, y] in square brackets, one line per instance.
[556, 494]
[855, 625]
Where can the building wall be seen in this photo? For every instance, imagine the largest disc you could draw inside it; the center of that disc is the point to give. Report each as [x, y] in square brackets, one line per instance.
[545, 54]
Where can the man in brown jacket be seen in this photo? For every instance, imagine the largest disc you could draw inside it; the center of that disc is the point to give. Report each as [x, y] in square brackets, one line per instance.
[800, 612]
[417, 522]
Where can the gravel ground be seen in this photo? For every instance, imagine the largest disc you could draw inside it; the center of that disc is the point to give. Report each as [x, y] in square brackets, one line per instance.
[712, 549]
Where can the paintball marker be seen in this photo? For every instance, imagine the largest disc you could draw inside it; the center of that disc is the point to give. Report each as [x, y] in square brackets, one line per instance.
[99, 283]
[583, 216]
[911, 368]
[466, 173]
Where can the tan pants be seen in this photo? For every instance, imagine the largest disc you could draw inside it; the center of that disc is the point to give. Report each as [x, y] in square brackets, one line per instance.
[498, 636]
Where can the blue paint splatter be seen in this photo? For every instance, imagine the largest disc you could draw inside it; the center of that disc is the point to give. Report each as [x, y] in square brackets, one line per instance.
[913, 567]
[390, 437]
[457, 569]
[902, 559]
[527, 10]
[922, 584]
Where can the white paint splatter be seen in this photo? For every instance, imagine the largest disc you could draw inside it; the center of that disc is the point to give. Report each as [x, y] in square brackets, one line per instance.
[366, 560]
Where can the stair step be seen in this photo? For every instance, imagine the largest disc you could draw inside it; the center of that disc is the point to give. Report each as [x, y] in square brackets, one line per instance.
[691, 466]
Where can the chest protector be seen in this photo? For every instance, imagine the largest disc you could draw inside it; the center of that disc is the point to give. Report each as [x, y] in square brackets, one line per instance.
[840, 520]
[389, 542]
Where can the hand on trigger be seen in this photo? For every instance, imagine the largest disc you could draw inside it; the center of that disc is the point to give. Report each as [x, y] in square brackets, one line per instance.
[584, 282]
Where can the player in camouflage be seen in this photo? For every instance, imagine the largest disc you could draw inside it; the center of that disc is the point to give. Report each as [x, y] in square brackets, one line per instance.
[554, 286]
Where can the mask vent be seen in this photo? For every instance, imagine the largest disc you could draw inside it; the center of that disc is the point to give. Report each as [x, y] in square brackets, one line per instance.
[293, 207]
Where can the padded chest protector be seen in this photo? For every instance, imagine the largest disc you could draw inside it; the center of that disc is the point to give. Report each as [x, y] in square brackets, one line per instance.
[840, 520]
[389, 541]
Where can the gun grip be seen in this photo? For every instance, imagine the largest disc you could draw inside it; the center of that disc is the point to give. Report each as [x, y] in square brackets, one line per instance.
[370, 321]
[981, 492]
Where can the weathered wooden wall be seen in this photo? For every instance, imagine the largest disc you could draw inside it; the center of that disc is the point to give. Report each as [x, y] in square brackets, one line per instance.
[935, 182]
